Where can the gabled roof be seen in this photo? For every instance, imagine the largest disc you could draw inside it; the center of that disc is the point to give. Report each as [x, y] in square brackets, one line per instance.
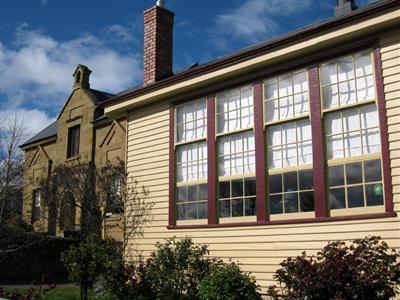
[51, 130]
[48, 132]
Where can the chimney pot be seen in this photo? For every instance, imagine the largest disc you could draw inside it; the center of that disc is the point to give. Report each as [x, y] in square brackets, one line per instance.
[344, 7]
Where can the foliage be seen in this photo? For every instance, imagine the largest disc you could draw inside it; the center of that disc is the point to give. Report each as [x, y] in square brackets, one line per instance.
[16, 237]
[362, 270]
[175, 270]
[87, 261]
[228, 282]
[128, 281]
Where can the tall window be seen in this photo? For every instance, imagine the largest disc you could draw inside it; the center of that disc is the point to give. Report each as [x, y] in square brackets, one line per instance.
[352, 132]
[36, 199]
[191, 162]
[289, 148]
[236, 153]
[73, 141]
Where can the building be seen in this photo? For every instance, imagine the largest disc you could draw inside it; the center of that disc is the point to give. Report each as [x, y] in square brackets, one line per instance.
[269, 151]
[275, 149]
[81, 132]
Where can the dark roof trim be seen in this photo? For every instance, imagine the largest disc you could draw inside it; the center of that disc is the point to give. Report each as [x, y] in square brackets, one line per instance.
[256, 50]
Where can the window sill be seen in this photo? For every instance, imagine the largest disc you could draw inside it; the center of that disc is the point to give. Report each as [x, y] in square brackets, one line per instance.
[293, 221]
[72, 158]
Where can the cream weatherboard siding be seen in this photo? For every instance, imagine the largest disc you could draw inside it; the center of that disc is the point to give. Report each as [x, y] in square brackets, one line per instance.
[259, 249]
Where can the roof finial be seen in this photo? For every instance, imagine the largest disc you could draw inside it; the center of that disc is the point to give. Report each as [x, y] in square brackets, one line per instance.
[160, 3]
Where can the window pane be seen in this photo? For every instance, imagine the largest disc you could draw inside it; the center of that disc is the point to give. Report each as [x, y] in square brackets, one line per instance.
[330, 96]
[351, 120]
[237, 188]
[237, 207]
[371, 141]
[202, 210]
[285, 85]
[300, 104]
[250, 206]
[374, 193]
[337, 198]
[286, 107]
[363, 64]
[365, 88]
[352, 144]
[328, 74]
[291, 203]
[306, 180]
[290, 181]
[271, 90]
[306, 201]
[192, 193]
[275, 183]
[345, 68]
[203, 192]
[336, 175]
[250, 186]
[275, 204]
[190, 120]
[300, 82]
[333, 123]
[369, 116]
[224, 189]
[181, 211]
[224, 208]
[191, 211]
[355, 196]
[272, 110]
[353, 173]
[372, 170]
[347, 92]
[181, 194]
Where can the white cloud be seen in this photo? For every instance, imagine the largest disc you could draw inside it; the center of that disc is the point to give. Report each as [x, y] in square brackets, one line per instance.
[253, 20]
[36, 69]
[31, 120]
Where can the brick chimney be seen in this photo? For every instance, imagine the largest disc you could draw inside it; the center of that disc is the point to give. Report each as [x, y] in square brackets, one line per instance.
[344, 7]
[157, 48]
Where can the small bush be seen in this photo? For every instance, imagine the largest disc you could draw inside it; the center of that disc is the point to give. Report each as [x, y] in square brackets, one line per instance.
[361, 270]
[228, 282]
[175, 270]
[89, 260]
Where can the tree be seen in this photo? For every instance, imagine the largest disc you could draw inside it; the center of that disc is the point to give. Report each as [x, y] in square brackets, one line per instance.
[12, 132]
[93, 192]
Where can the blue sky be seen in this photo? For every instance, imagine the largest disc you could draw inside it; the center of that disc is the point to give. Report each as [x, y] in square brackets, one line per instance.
[42, 41]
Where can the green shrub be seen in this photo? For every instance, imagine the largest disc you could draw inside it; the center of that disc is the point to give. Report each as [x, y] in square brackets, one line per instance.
[175, 270]
[361, 270]
[89, 260]
[228, 282]
[128, 281]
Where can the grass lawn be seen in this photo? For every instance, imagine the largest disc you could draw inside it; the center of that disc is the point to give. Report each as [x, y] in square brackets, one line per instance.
[63, 292]
[70, 292]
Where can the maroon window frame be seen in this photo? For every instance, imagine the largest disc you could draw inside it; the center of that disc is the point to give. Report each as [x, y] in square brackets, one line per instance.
[317, 135]
[319, 159]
